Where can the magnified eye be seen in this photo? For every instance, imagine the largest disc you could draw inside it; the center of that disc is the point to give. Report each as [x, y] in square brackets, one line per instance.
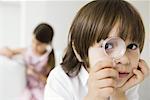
[108, 46]
[132, 46]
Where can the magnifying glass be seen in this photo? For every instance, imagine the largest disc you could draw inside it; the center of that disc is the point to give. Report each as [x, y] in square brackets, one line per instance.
[114, 47]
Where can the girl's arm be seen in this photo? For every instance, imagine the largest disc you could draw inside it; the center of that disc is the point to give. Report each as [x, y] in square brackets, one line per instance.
[41, 76]
[11, 52]
[48, 67]
[18, 50]
[45, 72]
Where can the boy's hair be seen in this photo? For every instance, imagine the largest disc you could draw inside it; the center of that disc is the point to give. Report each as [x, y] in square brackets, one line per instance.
[94, 22]
[44, 33]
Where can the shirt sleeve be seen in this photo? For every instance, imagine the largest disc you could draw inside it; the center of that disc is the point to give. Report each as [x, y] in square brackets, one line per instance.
[57, 87]
[132, 93]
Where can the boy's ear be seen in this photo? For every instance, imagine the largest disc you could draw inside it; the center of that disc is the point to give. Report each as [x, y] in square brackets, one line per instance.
[76, 54]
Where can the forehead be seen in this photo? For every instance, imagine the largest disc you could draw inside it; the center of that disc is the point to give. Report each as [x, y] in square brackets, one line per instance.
[115, 33]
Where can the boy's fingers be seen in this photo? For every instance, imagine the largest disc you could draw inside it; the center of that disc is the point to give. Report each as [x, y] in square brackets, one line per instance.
[105, 73]
[144, 67]
[107, 91]
[108, 82]
[139, 75]
[129, 83]
[135, 79]
[100, 65]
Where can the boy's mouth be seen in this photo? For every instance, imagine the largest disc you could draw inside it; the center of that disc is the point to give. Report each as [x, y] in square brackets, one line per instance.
[123, 74]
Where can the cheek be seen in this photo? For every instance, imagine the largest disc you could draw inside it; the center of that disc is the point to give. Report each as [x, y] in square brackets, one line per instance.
[134, 58]
[33, 45]
[40, 49]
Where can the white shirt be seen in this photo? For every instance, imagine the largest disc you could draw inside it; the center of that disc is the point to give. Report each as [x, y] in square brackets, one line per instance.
[61, 87]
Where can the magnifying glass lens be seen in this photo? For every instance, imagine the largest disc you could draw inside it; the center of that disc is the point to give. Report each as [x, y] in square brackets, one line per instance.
[114, 47]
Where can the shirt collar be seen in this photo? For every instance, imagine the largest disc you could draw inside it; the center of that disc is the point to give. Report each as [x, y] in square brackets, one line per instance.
[83, 75]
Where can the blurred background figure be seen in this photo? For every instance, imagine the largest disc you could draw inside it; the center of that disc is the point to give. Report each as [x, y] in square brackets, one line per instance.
[17, 21]
[39, 59]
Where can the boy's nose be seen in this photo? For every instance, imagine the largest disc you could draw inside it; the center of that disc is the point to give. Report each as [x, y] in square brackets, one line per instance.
[123, 60]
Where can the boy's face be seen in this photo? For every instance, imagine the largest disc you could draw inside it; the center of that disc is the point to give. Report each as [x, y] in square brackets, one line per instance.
[124, 65]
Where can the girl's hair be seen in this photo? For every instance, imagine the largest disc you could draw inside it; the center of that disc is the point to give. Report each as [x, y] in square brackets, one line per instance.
[44, 33]
[94, 22]
[51, 60]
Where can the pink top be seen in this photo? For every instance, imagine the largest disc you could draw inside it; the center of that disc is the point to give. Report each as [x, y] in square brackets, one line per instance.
[38, 62]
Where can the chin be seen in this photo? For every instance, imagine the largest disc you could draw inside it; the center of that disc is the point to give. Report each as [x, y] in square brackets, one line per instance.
[121, 82]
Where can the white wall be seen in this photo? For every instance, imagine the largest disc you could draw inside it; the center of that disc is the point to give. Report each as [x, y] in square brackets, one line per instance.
[9, 24]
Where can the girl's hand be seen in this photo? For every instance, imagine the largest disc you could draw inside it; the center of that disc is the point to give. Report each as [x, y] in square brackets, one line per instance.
[6, 52]
[39, 76]
[31, 71]
[139, 74]
[101, 82]
[42, 79]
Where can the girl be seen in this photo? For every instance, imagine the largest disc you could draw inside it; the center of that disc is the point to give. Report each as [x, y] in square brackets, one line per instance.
[82, 75]
[39, 59]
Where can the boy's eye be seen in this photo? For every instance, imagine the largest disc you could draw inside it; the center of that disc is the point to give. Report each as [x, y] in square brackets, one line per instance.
[108, 46]
[132, 46]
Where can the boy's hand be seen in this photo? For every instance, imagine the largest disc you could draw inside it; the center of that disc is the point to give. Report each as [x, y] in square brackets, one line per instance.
[101, 81]
[139, 74]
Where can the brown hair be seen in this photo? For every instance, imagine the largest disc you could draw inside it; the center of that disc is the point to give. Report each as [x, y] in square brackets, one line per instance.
[44, 33]
[94, 22]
